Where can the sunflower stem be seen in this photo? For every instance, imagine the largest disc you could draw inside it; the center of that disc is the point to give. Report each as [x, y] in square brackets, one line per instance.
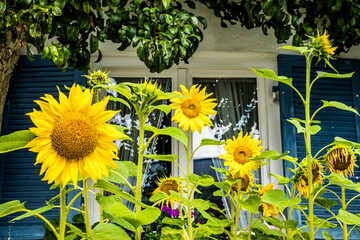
[86, 208]
[63, 212]
[139, 168]
[250, 224]
[190, 237]
[293, 188]
[237, 209]
[308, 148]
[343, 204]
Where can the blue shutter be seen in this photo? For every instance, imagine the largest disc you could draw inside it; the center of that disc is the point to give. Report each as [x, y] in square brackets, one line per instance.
[334, 122]
[19, 178]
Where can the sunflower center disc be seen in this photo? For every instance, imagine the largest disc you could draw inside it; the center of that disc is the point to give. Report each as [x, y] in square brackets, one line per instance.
[191, 108]
[74, 136]
[169, 185]
[242, 154]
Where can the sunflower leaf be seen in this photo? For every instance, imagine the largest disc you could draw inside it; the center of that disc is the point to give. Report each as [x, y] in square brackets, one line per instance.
[348, 218]
[266, 73]
[327, 236]
[259, 225]
[278, 198]
[207, 141]
[297, 49]
[158, 196]
[342, 141]
[226, 172]
[204, 180]
[29, 214]
[168, 158]
[333, 75]
[165, 108]
[109, 231]
[339, 105]
[271, 154]
[77, 231]
[170, 131]
[251, 204]
[324, 202]
[337, 179]
[114, 174]
[11, 207]
[174, 222]
[112, 98]
[16, 140]
[322, 223]
[282, 180]
[131, 167]
[223, 186]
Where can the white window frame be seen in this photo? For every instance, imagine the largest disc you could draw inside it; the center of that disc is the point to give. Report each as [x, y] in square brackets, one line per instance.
[222, 65]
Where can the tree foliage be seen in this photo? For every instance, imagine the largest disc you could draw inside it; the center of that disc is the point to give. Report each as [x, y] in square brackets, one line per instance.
[163, 31]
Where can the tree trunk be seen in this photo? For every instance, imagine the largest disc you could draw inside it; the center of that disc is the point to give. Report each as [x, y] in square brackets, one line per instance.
[9, 54]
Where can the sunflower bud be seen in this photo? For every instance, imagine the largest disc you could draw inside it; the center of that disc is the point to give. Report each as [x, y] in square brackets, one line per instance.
[97, 77]
[341, 160]
[322, 46]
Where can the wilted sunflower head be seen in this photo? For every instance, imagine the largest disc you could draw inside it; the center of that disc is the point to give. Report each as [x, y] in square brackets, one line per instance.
[97, 77]
[247, 181]
[165, 184]
[341, 160]
[267, 209]
[322, 46]
[301, 179]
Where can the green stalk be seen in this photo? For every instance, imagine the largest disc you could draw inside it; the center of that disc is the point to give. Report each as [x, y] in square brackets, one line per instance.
[343, 204]
[190, 237]
[308, 149]
[63, 212]
[250, 224]
[139, 168]
[237, 209]
[86, 208]
[289, 232]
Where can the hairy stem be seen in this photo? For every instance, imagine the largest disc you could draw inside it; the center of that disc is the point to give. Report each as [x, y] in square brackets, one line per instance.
[63, 212]
[86, 208]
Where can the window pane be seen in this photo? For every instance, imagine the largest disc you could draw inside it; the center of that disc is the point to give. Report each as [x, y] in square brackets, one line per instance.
[236, 111]
[152, 169]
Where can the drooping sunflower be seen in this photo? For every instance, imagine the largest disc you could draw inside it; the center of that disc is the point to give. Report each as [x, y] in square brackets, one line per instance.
[194, 110]
[302, 177]
[341, 160]
[268, 209]
[247, 181]
[165, 184]
[238, 152]
[73, 137]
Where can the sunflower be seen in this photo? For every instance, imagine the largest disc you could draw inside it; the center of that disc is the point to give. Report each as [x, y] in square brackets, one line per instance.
[302, 177]
[322, 46]
[193, 110]
[327, 44]
[165, 184]
[341, 159]
[73, 137]
[247, 181]
[268, 209]
[238, 152]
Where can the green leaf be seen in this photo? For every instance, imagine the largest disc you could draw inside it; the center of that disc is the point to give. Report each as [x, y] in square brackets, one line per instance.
[112, 98]
[207, 141]
[121, 170]
[170, 131]
[278, 198]
[271, 154]
[16, 140]
[174, 222]
[297, 49]
[170, 233]
[342, 141]
[158, 196]
[105, 185]
[168, 158]
[220, 193]
[223, 186]
[327, 236]
[11, 207]
[29, 214]
[333, 75]
[281, 224]
[131, 167]
[324, 202]
[314, 129]
[77, 231]
[339, 105]
[282, 180]
[2, 7]
[109, 231]
[113, 206]
[297, 124]
[165, 108]
[322, 223]
[251, 204]
[226, 172]
[204, 180]
[259, 225]
[166, 3]
[120, 88]
[348, 218]
[266, 73]
[337, 179]
[94, 43]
